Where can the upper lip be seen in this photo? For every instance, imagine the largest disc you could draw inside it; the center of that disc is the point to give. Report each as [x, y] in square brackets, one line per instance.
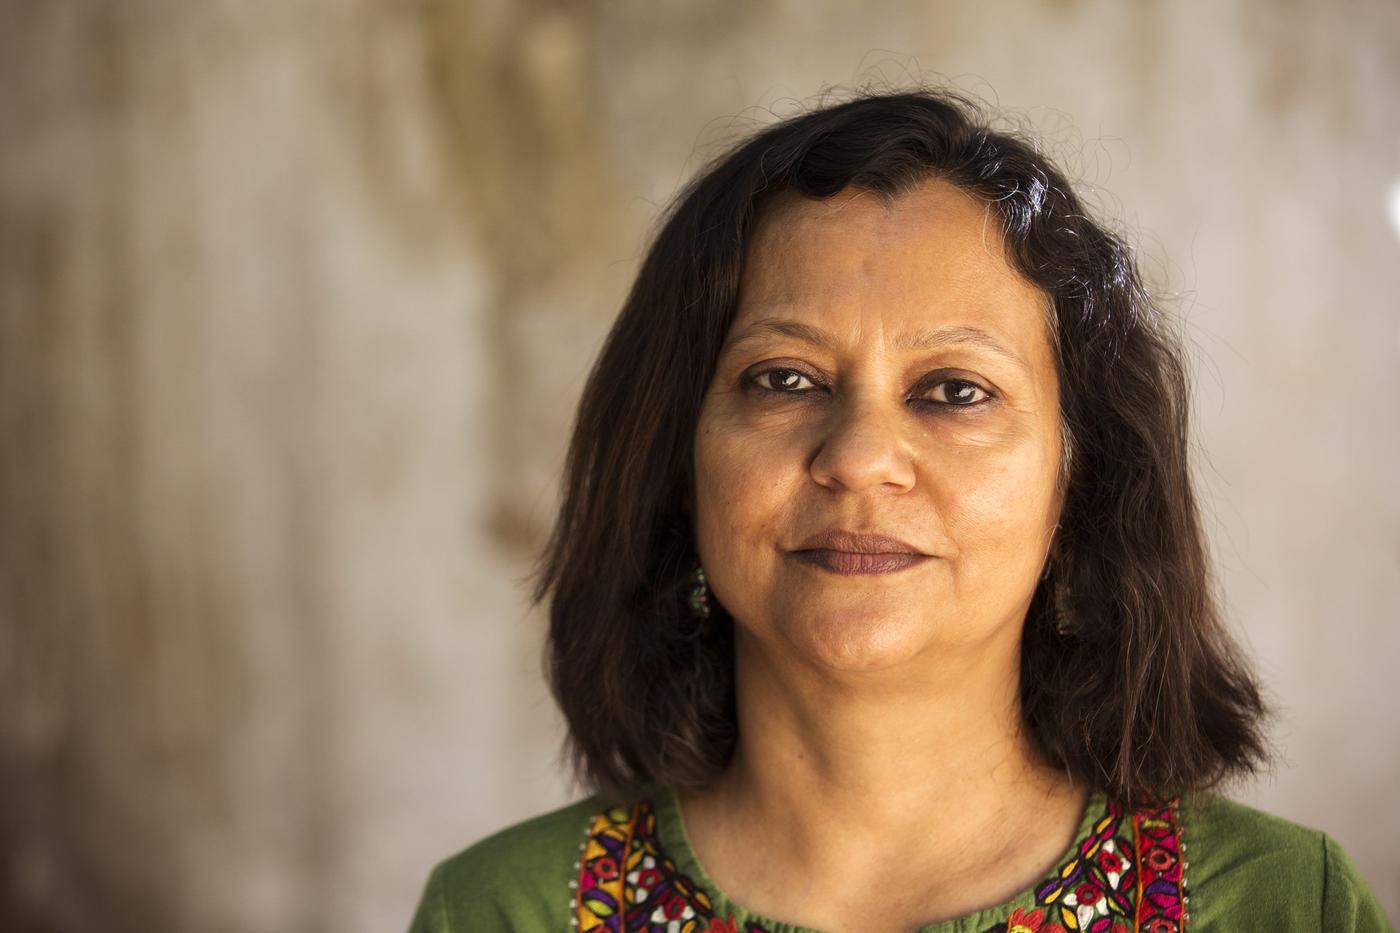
[857, 542]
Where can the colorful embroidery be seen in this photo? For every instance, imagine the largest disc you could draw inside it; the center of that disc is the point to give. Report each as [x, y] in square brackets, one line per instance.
[1162, 878]
[627, 884]
[1094, 890]
[1113, 884]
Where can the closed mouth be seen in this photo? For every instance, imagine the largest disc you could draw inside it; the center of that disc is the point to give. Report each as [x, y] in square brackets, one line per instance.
[853, 563]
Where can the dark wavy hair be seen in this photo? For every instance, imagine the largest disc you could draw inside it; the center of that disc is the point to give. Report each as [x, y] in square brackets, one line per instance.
[1145, 697]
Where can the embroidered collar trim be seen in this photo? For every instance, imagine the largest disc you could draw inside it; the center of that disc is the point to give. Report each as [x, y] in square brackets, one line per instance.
[1127, 874]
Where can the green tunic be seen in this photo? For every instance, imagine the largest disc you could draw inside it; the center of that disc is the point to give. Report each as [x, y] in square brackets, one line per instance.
[1204, 862]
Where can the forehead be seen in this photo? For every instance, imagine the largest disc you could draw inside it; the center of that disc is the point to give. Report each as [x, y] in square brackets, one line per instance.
[933, 257]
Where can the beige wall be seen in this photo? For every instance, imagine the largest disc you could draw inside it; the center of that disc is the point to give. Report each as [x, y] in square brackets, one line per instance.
[295, 303]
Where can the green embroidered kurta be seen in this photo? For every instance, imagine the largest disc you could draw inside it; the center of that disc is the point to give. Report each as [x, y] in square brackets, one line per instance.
[1205, 863]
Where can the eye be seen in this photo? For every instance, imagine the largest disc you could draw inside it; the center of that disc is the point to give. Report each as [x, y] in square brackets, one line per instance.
[945, 394]
[781, 381]
[959, 392]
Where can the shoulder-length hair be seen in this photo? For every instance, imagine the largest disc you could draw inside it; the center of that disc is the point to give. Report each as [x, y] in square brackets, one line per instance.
[1145, 696]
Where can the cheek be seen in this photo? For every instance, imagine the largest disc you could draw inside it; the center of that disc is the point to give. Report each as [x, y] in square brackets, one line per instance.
[745, 482]
[996, 497]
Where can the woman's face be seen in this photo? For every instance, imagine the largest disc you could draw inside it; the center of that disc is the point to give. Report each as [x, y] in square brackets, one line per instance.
[887, 373]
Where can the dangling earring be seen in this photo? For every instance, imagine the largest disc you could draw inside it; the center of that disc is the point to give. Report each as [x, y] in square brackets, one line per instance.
[1063, 625]
[1059, 591]
[1059, 602]
[699, 594]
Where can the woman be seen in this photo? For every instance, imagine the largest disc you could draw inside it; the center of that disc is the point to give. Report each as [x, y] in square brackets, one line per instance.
[879, 595]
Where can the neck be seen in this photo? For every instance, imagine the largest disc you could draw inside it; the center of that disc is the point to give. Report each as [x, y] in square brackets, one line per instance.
[833, 763]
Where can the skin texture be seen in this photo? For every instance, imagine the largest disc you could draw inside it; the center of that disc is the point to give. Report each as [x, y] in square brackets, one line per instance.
[881, 779]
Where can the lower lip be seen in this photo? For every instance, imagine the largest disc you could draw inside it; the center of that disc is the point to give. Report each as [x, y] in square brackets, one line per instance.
[848, 563]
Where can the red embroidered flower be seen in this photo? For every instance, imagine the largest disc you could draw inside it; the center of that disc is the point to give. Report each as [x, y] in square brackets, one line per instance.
[1159, 859]
[1161, 925]
[604, 867]
[1109, 861]
[673, 905]
[721, 925]
[647, 878]
[1033, 922]
[1088, 894]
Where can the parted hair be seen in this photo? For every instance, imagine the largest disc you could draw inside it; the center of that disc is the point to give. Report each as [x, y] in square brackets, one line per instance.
[1138, 690]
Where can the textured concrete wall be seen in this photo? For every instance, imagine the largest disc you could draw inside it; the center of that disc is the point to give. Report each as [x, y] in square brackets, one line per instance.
[295, 303]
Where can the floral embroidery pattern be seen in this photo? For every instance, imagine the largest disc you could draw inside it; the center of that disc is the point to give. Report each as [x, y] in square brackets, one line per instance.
[1126, 876]
[1162, 879]
[1095, 890]
[627, 884]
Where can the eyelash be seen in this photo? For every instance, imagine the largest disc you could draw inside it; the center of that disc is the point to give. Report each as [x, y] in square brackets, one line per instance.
[752, 382]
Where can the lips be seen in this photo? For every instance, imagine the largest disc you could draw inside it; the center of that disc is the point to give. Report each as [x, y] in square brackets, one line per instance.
[856, 542]
[848, 563]
[851, 552]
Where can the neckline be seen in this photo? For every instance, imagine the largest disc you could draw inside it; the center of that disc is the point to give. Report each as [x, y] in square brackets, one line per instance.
[675, 840]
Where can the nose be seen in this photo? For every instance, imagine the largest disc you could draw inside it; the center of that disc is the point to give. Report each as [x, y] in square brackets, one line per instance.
[864, 446]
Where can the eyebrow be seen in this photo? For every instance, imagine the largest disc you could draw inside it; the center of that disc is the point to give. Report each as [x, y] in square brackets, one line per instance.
[915, 341]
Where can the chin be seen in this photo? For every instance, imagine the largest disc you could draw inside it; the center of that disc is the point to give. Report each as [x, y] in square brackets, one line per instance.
[859, 641]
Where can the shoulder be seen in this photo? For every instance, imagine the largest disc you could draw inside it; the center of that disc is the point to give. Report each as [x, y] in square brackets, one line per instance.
[518, 878]
[1245, 865]
[1217, 821]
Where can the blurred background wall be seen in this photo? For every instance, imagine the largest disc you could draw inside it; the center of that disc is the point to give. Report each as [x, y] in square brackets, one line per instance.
[295, 303]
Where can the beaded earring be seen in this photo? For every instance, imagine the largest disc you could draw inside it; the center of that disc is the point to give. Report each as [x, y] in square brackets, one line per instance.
[1065, 623]
[1059, 594]
[699, 594]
